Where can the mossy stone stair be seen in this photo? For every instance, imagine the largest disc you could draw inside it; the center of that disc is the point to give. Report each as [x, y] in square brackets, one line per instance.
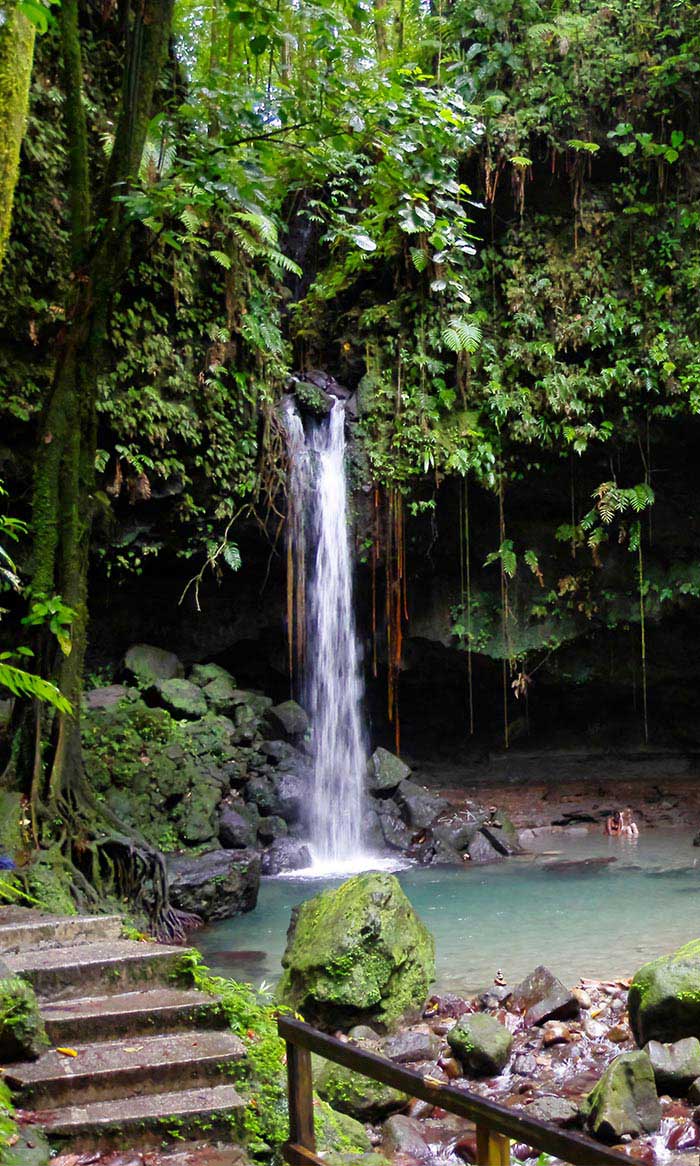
[153, 1059]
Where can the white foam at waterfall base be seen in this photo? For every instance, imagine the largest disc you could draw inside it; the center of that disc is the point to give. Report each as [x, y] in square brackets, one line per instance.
[324, 868]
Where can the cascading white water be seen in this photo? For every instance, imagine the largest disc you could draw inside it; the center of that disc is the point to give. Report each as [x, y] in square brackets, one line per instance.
[334, 677]
[318, 529]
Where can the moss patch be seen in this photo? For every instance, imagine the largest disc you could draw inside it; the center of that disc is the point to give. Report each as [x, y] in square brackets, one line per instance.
[262, 1076]
[358, 954]
[22, 1032]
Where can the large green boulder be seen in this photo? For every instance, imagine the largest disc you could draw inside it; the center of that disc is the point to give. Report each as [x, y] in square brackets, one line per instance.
[357, 1095]
[22, 1032]
[625, 1101]
[481, 1044]
[664, 997]
[145, 664]
[357, 954]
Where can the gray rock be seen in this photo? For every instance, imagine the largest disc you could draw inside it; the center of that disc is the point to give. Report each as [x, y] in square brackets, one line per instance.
[481, 851]
[293, 797]
[412, 1046]
[676, 1066]
[556, 1110]
[503, 838]
[235, 831]
[395, 831]
[285, 854]
[446, 855]
[541, 996]
[455, 831]
[402, 1135]
[216, 885]
[180, 698]
[524, 1065]
[481, 1044]
[105, 698]
[419, 807]
[625, 1101]
[385, 772]
[277, 751]
[289, 718]
[145, 664]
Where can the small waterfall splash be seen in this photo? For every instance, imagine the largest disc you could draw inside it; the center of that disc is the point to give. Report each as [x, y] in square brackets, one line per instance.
[333, 685]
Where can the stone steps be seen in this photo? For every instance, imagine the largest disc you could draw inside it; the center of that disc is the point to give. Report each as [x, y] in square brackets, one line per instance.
[60, 973]
[24, 932]
[149, 1119]
[152, 1053]
[110, 1070]
[129, 1014]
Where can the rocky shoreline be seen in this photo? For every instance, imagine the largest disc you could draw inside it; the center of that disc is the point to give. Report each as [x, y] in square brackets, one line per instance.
[616, 1059]
[220, 779]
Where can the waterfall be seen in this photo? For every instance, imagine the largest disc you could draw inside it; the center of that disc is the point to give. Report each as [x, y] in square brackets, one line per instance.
[333, 686]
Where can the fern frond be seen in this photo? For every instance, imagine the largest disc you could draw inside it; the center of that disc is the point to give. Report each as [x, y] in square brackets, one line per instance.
[461, 335]
[21, 683]
[261, 224]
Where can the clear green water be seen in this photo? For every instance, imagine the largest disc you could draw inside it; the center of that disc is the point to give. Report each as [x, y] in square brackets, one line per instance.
[597, 921]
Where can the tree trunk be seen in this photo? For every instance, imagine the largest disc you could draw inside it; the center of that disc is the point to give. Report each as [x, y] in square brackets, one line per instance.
[63, 808]
[16, 55]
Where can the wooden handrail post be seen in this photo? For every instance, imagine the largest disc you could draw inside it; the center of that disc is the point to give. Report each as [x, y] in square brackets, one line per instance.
[301, 1097]
[492, 1149]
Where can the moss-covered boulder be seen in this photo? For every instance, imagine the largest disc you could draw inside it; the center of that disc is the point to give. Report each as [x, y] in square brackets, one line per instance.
[145, 664]
[481, 1044]
[357, 954]
[203, 674]
[181, 698]
[385, 772]
[22, 1032]
[625, 1101]
[221, 694]
[165, 778]
[356, 1095]
[664, 997]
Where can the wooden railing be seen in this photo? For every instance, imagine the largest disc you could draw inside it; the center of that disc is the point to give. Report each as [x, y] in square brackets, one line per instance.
[496, 1125]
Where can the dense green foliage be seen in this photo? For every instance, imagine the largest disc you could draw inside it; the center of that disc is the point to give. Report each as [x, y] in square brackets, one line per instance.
[484, 217]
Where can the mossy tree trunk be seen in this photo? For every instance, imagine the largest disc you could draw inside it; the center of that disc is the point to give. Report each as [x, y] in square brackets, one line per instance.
[16, 56]
[49, 763]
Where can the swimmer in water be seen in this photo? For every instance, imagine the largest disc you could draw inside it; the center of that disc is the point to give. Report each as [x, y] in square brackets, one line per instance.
[614, 824]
